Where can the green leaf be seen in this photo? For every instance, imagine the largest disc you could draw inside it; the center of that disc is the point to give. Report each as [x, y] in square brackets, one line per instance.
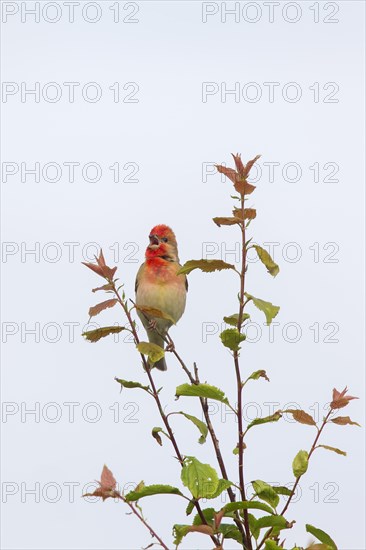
[266, 492]
[180, 531]
[98, 333]
[246, 505]
[231, 338]
[272, 521]
[321, 535]
[208, 514]
[269, 310]
[271, 545]
[155, 432]
[222, 486]
[300, 463]
[344, 420]
[230, 532]
[316, 546]
[153, 351]
[207, 266]
[266, 259]
[334, 449]
[254, 529]
[190, 507]
[201, 479]
[200, 425]
[272, 418]
[129, 384]
[150, 490]
[201, 390]
[258, 374]
[152, 312]
[280, 490]
[232, 320]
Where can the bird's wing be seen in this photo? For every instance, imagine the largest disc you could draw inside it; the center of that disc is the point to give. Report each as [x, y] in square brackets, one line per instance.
[185, 277]
[138, 276]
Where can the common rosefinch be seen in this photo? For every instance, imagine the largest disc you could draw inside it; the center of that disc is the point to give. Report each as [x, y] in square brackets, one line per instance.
[158, 286]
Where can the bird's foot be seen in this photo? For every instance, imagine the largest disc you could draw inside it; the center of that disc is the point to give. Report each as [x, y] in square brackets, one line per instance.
[170, 346]
[152, 324]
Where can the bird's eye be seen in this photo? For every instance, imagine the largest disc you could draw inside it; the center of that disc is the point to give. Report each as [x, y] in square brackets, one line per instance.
[164, 239]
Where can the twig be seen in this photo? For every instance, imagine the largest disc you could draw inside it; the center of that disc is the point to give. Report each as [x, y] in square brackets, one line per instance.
[152, 532]
[239, 382]
[194, 379]
[157, 400]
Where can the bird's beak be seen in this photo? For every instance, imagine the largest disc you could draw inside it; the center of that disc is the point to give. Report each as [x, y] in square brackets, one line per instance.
[154, 240]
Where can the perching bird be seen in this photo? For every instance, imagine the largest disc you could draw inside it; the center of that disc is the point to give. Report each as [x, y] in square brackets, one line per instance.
[158, 285]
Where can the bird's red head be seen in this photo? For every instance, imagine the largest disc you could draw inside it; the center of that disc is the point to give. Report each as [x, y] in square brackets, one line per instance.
[162, 243]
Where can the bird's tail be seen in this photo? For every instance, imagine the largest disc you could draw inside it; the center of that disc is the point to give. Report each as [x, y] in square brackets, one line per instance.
[161, 364]
[155, 338]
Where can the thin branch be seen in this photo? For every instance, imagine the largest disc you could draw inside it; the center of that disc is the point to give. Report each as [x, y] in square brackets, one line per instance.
[155, 394]
[313, 447]
[140, 517]
[194, 379]
[239, 382]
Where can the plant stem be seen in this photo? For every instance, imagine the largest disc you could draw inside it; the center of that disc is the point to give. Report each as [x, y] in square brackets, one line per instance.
[313, 447]
[152, 532]
[239, 382]
[195, 380]
[157, 400]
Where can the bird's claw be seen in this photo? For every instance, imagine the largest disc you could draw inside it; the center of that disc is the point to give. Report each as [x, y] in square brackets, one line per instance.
[170, 347]
[152, 324]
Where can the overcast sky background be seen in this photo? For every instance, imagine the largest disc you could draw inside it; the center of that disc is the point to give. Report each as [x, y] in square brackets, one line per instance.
[161, 142]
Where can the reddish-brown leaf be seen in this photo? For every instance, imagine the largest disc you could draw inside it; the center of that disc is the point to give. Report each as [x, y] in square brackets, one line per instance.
[94, 310]
[228, 172]
[98, 270]
[104, 494]
[101, 260]
[107, 486]
[302, 417]
[239, 163]
[250, 213]
[344, 420]
[240, 175]
[226, 221]
[109, 272]
[107, 480]
[243, 187]
[249, 165]
[205, 529]
[238, 213]
[101, 268]
[340, 399]
[104, 287]
[218, 518]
